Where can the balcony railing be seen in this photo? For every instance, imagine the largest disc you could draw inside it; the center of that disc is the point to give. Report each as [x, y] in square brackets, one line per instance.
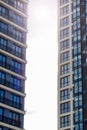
[12, 86]
[12, 3]
[11, 103]
[22, 24]
[10, 50]
[10, 121]
[12, 68]
[10, 33]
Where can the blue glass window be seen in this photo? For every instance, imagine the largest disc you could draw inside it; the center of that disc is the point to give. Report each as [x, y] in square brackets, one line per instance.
[1, 113]
[16, 83]
[16, 66]
[15, 100]
[2, 78]
[2, 95]
[2, 60]
[3, 43]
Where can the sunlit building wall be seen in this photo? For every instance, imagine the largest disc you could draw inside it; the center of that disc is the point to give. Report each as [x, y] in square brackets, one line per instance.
[72, 65]
[13, 30]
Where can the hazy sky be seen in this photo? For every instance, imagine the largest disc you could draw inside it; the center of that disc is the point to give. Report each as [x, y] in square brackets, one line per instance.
[41, 84]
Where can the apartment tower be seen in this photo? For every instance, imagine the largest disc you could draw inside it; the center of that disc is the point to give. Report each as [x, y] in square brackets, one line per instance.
[13, 29]
[72, 64]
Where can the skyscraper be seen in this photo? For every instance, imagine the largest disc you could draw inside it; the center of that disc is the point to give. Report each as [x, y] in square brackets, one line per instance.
[13, 29]
[72, 61]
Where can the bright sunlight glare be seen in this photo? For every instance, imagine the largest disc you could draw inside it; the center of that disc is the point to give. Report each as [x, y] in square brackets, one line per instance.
[41, 70]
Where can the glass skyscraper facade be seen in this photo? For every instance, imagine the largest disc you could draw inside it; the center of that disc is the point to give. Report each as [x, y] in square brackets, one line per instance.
[13, 30]
[72, 65]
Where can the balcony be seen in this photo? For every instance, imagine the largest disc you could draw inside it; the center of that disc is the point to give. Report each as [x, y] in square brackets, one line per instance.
[12, 51]
[12, 86]
[12, 68]
[11, 18]
[10, 32]
[13, 3]
[10, 121]
[11, 103]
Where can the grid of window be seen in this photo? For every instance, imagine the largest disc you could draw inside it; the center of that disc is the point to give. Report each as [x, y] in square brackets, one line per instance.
[64, 94]
[64, 45]
[64, 33]
[64, 10]
[65, 69]
[76, 12]
[65, 56]
[65, 107]
[65, 121]
[64, 21]
[65, 81]
[62, 2]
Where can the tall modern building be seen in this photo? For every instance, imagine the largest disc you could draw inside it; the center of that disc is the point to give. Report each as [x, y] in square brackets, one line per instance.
[72, 61]
[13, 29]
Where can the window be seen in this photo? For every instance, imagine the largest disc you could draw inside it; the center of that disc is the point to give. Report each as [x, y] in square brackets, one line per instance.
[64, 10]
[15, 100]
[78, 115]
[65, 69]
[2, 78]
[78, 101]
[78, 87]
[64, 21]
[16, 66]
[2, 60]
[77, 60]
[16, 50]
[65, 56]
[65, 107]
[65, 81]
[76, 12]
[4, 12]
[2, 95]
[15, 118]
[65, 121]
[64, 33]
[1, 128]
[3, 27]
[77, 73]
[1, 114]
[77, 49]
[3, 43]
[16, 83]
[62, 2]
[64, 45]
[76, 24]
[65, 94]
